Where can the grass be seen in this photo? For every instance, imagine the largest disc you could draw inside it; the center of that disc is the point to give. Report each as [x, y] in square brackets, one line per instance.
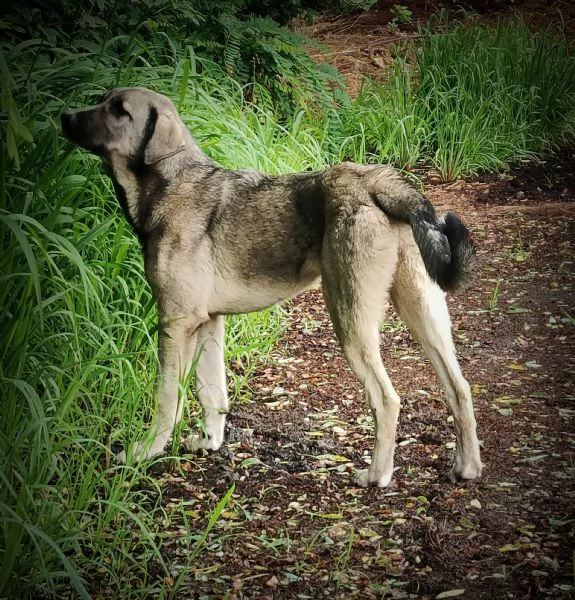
[477, 98]
[77, 321]
[513, 98]
[383, 124]
[493, 301]
[519, 251]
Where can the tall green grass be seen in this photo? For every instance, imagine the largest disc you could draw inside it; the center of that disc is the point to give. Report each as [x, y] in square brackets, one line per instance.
[475, 98]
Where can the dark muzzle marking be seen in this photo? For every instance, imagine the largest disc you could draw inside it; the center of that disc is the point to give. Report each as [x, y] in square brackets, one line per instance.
[83, 129]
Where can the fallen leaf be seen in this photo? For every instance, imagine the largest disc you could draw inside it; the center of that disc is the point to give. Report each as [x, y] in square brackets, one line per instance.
[517, 367]
[277, 404]
[507, 400]
[465, 522]
[450, 594]
[248, 462]
[539, 395]
[506, 412]
[339, 431]
[516, 548]
[332, 458]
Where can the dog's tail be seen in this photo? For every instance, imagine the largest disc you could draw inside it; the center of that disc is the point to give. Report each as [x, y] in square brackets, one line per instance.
[446, 248]
[444, 243]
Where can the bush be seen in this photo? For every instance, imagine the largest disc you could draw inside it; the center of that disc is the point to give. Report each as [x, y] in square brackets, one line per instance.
[254, 49]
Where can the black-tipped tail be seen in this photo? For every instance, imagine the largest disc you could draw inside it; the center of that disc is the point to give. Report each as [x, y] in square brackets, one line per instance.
[444, 243]
[446, 249]
[460, 273]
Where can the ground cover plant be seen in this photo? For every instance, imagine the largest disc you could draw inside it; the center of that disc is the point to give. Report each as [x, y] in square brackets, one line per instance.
[77, 334]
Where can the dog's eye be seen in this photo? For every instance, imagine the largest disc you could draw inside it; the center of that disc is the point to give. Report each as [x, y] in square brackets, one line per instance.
[118, 109]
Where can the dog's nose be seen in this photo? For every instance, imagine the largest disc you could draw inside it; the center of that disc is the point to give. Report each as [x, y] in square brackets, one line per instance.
[68, 121]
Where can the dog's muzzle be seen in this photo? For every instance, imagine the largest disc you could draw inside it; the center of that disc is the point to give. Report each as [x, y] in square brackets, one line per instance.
[80, 129]
[69, 123]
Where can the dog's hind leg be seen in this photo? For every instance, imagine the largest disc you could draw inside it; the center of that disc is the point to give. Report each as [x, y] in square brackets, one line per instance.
[358, 262]
[177, 345]
[422, 306]
[211, 385]
[362, 351]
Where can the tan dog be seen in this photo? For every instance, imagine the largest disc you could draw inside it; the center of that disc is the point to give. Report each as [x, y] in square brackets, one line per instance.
[220, 242]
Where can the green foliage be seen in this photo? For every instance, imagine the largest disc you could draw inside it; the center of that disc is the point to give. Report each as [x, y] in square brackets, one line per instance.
[347, 6]
[494, 95]
[240, 35]
[386, 119]
[271, 61]
[478, 98]
[401, 15]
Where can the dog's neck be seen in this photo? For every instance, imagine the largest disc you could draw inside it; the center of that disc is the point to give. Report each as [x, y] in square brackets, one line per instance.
[136, 185]
[194, 153]
[128, 192]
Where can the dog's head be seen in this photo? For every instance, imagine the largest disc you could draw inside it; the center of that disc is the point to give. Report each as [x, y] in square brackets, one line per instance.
[130, 128]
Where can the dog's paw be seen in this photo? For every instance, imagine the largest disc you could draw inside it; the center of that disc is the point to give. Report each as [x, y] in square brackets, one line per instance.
[467, 464]
[140, 452]
[470, 470]
[195, 443]
[363, 478]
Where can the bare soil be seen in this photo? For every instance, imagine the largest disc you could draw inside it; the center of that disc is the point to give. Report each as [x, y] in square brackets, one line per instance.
[297, 527]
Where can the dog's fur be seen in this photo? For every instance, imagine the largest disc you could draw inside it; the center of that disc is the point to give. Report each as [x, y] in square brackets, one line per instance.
[219, 242]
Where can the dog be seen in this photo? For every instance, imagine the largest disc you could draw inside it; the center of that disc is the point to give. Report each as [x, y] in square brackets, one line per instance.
[218, 242]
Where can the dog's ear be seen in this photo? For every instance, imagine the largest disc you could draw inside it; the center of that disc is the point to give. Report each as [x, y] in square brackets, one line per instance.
[166, 140]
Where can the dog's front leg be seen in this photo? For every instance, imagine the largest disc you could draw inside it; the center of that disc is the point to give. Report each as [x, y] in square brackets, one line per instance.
[178, 340]
[211, 385]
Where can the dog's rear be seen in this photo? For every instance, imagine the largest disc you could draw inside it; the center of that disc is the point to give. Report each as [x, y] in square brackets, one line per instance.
[444, 243]
[385, 240]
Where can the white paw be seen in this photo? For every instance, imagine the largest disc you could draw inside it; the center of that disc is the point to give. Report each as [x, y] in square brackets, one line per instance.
[194, 443]
[364, 479]
[471, 470]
